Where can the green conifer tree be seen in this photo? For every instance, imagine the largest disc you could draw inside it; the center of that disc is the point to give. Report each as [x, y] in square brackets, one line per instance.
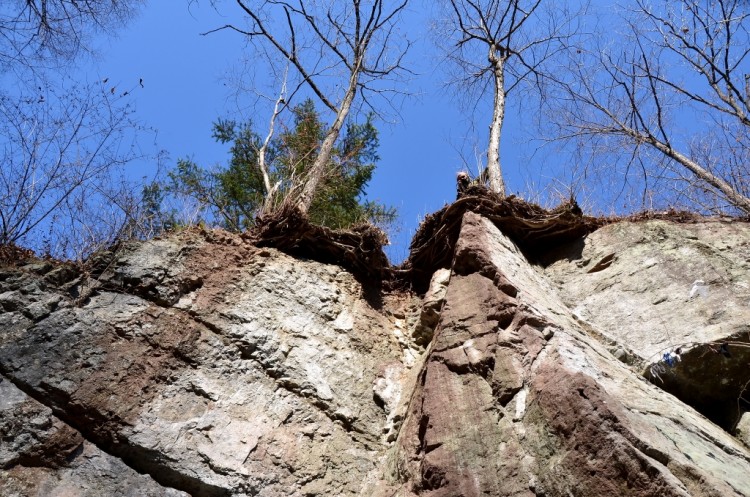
[231, 196]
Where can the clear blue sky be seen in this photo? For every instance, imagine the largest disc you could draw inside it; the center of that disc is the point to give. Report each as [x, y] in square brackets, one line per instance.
[185, 91]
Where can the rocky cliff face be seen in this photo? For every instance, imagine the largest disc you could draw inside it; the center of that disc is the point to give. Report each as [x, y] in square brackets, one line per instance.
[201, 365]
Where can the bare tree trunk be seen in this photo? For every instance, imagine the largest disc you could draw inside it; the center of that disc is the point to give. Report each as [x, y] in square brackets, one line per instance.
[517, 54]
[318, 169]
[734, 197]
[264, 148]
[494, 171]
[341, 33]
[262, 165]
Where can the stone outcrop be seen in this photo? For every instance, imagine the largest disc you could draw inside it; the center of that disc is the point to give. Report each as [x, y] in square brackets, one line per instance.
[656, 288]
[41, 455]
[215, 367]
[199, 364]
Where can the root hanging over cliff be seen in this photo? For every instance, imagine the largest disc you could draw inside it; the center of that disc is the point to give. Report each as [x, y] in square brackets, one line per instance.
[359, 249]
[534, 229]
[537, 231]
[12, 255]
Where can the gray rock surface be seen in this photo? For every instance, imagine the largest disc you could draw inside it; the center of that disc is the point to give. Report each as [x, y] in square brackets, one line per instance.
[743, 429]
[656, 287]
[218, 368]
[41, 455]
[199, 364]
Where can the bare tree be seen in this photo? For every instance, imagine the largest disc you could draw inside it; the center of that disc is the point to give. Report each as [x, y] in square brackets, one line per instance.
[62, 144]
[676, 93]
[58, 151]
[340, 51]
[51, 32]
[502, 44]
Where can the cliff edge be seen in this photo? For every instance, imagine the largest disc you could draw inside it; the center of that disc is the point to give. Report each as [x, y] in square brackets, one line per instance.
[201, 364]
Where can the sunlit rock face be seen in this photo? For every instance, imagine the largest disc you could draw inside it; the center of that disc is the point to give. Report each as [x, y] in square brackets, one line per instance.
[673, 299]
[42, 455]
[215, 368]
[198, 364]
[521, 396]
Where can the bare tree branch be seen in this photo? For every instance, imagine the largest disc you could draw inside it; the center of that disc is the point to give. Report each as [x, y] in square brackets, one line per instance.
[54, 149]
[516, 43]
[279, 105]
[62, 144]
[349, 42]
[688, 60]
[41, 33]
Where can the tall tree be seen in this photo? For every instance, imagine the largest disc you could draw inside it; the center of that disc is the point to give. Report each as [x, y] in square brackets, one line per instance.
[235, 195]
[61, 143]
[675, 93]
[502, 44]
[339, 51]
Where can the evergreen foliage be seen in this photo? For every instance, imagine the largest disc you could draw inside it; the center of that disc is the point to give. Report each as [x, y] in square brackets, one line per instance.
[232, 196]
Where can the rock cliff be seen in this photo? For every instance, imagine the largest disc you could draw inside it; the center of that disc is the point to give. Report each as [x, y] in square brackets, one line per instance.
[200, 364]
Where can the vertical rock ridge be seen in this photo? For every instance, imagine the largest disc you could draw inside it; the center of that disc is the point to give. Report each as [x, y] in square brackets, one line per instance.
[518, 400]
[222, 369]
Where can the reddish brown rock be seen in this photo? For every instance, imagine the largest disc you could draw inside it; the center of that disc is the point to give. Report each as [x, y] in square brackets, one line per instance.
[198, 363]
[517, 399]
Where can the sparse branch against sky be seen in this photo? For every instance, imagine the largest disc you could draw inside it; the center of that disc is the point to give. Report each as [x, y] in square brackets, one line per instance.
[675, 94]
[496, 46]
[186, 88]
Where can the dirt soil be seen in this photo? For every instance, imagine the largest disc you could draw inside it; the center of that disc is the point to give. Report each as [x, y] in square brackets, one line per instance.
[359, 249]
[533, 228]
[12, 255]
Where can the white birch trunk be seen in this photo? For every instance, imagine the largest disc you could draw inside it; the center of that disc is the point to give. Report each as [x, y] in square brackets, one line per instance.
[734, 197]
[318, 169]
[494, 171]
[264, 148]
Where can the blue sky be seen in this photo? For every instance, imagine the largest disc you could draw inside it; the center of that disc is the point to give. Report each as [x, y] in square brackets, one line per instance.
[185, 90]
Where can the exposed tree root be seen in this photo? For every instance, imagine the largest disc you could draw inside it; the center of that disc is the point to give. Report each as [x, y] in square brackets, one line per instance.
[534, 229]
[12, 255]
[359, 250]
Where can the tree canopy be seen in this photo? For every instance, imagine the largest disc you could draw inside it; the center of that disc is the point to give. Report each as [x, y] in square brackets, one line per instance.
[42, 33]
[340, 51]
[233, 195]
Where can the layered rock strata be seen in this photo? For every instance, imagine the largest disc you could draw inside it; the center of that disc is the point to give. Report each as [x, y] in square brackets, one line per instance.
[214, 367]
[198, 364]
[680, 289]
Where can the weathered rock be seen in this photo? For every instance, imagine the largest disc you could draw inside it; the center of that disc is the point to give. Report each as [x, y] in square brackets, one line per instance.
[655, 288]
[213, 367]
[41, 455]
[633, 282]
[517, 398]
[220, 369]
[743, 429]
[432, 304]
